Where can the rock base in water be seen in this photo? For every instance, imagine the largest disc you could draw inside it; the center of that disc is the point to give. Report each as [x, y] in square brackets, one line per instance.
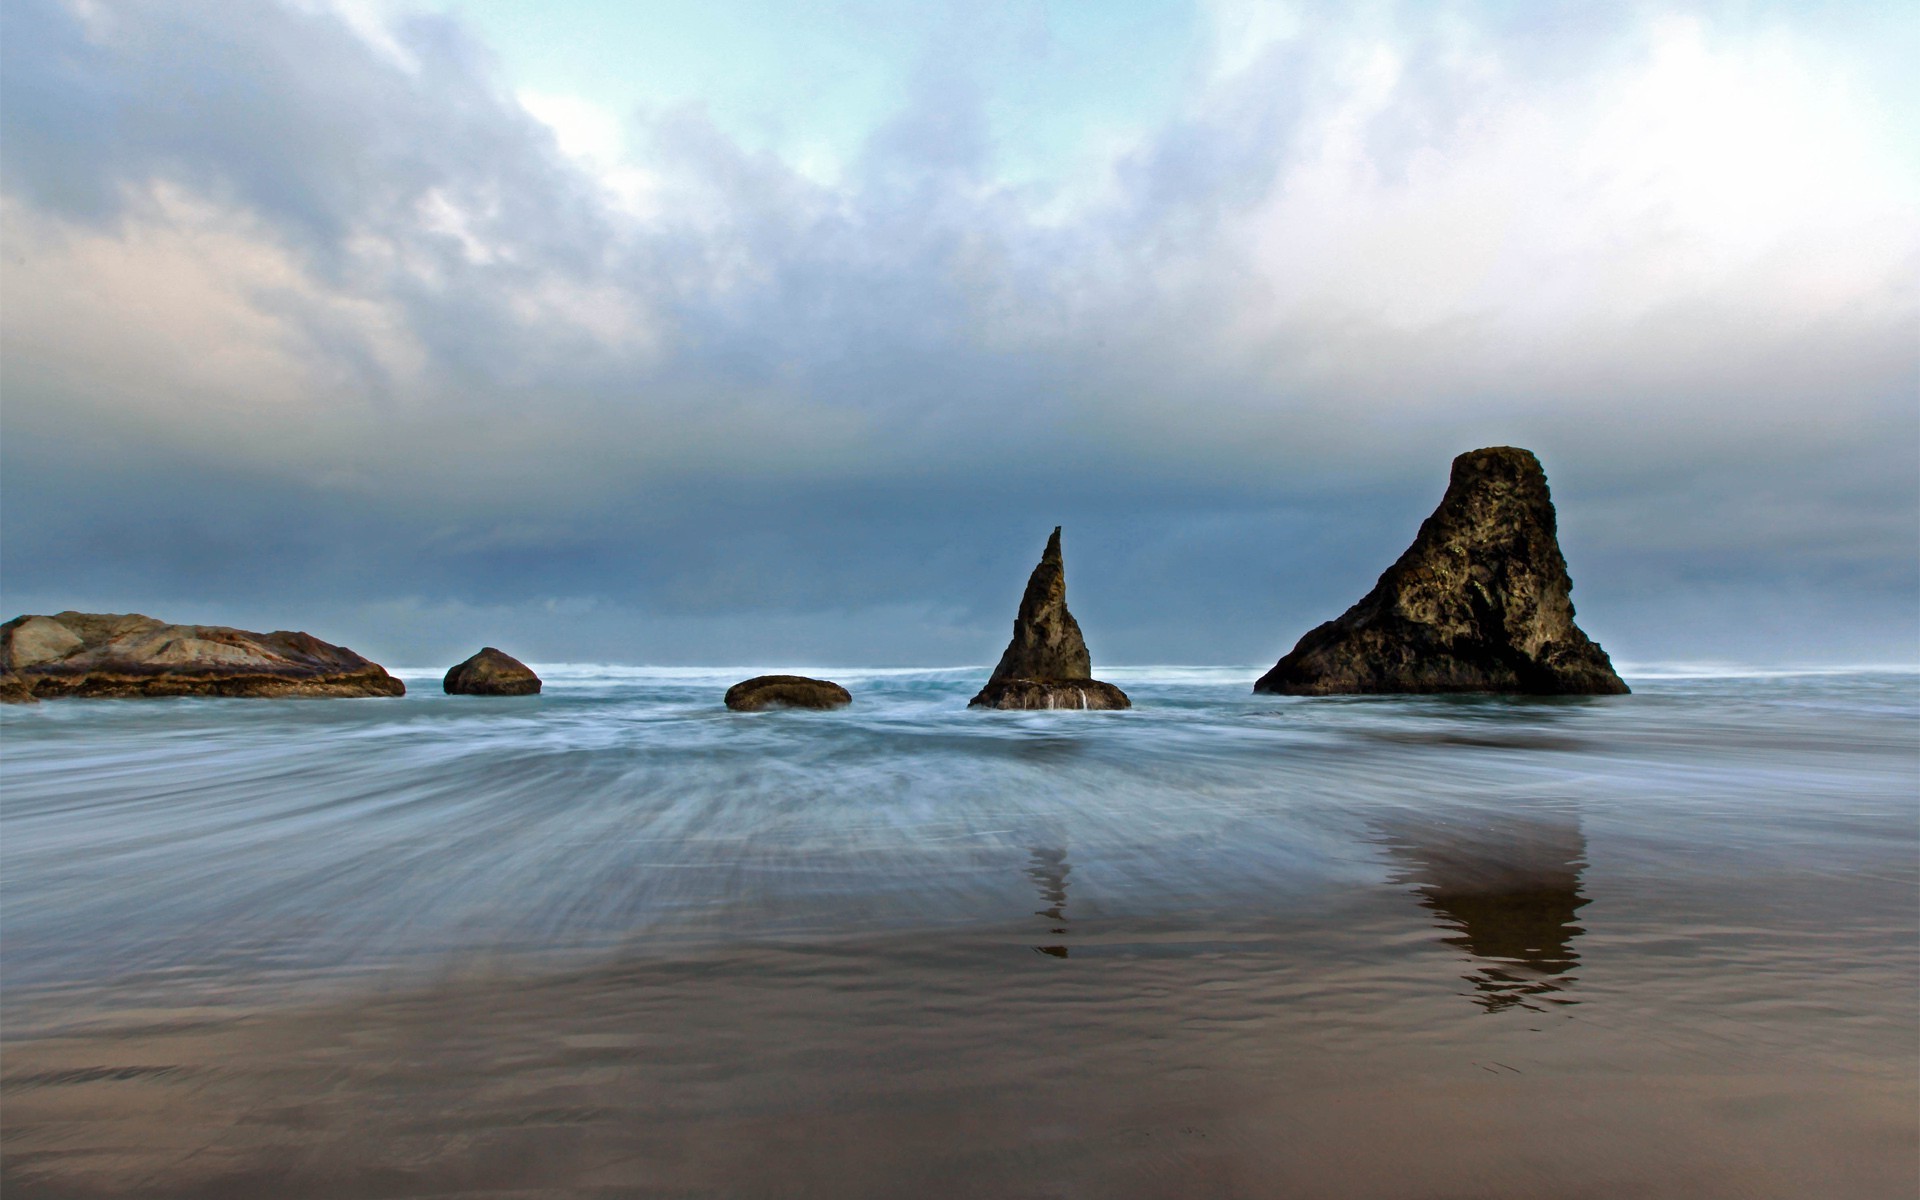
[491, 673]
[128, 655]
[786, 691]
[1478, 603]
[1050, 694]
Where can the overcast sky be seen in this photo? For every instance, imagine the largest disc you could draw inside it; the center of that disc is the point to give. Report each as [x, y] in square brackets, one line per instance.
[782, 334]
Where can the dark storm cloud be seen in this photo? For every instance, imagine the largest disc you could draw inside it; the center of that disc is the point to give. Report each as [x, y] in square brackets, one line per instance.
[743, 412]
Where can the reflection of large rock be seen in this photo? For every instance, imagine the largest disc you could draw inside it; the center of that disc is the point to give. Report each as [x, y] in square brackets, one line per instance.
[1509, 893]
[105, 654]
[786, 691]
[1478, 603]
[491, 673]
[1046, 665]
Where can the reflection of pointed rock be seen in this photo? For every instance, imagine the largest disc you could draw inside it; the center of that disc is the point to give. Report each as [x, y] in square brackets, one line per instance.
[1046, 665]
[1478, 603]
[1049, 871]
[1509, 894]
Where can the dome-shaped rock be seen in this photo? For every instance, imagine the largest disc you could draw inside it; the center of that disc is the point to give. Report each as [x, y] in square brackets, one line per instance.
[786, 691]
[1046, 665]
[491, 673]
[1478, 603]
[126, 654]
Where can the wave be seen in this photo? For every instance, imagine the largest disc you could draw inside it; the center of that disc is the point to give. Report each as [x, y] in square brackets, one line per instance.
[1726, 670]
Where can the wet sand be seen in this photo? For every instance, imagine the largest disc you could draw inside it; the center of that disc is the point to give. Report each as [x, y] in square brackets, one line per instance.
[1126, 1062]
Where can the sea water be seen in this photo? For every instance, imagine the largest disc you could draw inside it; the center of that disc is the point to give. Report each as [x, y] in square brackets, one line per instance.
[1212, 910]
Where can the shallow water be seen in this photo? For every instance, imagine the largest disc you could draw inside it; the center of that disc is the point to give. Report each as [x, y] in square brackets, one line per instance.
[1350, 946]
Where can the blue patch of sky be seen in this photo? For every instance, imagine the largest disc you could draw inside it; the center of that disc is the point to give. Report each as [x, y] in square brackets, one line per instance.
[812, 81]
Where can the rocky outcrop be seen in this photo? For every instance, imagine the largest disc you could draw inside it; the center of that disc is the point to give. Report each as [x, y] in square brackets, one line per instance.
[1046, 665]
[1050, 693]
[491, 673]
[107, 654]
[786, 691]
[1478, 603]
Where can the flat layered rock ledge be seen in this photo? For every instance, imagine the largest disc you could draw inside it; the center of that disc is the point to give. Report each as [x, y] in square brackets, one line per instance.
[1479, 603]
[1046, 665]
[763, 692]
[128, 655]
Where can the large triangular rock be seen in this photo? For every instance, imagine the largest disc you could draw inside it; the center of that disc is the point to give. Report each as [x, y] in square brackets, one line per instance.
[1478, 603]
[1046, 665]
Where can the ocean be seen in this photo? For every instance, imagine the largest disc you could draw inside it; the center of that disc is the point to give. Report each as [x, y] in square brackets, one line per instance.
[616, 940]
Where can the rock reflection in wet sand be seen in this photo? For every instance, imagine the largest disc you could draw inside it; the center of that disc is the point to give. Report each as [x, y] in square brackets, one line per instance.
[1049, 870]
[1508, 892]
[950, 1066]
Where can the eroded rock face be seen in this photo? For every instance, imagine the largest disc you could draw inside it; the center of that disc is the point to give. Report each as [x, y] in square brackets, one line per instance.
[491, 673]
[109, 654]
[1478, 603]
[1046, 665]
[786, 691]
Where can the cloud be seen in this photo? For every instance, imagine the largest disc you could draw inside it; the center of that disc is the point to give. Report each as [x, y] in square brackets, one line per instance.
[324, 312]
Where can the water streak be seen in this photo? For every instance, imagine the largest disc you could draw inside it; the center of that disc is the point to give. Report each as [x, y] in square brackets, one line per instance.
[626, 807]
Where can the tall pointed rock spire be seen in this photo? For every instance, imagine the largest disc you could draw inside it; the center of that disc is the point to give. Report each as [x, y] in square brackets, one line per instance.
[1046, 665]
[1478, 603]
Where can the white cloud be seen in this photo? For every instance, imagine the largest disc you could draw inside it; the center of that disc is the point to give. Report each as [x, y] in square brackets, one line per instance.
[439, 214]
[594, 138]
[1739, 188]
[1242, 30]
[584, 129]
[187, 318]
[373, 21]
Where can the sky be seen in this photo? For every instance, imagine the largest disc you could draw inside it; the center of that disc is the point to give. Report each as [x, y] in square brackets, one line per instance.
[783, 333]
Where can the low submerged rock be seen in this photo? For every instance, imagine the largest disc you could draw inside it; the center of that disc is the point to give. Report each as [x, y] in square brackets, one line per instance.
[1046, 665]
[786, 691]
[127, 655]
[491, 673]
[1478, 603]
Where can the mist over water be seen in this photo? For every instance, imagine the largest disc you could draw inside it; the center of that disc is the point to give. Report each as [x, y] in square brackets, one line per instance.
[1503, 936]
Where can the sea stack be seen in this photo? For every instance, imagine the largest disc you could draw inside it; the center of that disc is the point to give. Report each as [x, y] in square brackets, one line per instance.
[786, 691]
[491, 673]
[1478, 603]
[126, 654]
[1046, 664]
